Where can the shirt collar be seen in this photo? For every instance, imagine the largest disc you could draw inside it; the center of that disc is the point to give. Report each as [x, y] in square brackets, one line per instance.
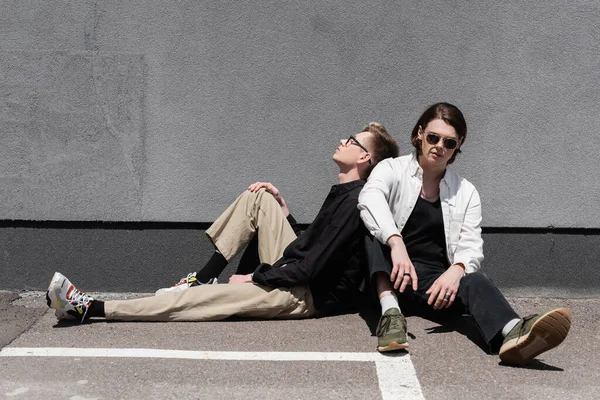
[416, 169]
[341, 188]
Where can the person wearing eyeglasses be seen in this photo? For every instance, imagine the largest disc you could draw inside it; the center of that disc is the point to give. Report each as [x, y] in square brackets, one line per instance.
[314, 274]
[426, 249]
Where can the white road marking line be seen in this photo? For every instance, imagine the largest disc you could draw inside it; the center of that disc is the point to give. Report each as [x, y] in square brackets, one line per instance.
[398, 379]
[190, 354]
[17, 392]
[395, 372]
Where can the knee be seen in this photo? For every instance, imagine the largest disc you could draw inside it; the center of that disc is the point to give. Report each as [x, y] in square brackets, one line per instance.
[477, 279]
[255, 195]
[261, 198]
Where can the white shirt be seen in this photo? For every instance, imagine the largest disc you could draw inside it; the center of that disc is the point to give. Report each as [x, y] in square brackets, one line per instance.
[391, 192]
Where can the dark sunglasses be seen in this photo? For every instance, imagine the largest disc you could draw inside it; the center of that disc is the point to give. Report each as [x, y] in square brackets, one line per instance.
[432, 138]
[353, 140]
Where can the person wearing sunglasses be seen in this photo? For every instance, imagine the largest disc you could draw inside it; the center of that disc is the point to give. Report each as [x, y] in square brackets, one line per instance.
[296, 275]
[426, 250]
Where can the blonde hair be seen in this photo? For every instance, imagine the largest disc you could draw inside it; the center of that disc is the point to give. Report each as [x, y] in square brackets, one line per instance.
[381, 144]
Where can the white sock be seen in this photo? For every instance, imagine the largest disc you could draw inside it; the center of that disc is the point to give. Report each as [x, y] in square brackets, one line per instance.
[387, 302]
[508, 327]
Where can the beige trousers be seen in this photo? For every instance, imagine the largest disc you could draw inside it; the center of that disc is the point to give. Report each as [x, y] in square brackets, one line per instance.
[234, 229]
[251, 213]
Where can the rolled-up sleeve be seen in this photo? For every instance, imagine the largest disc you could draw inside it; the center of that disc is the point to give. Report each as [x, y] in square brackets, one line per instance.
[469, 250]
[373, 202]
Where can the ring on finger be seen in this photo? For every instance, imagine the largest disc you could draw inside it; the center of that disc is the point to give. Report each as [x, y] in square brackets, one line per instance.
[447, 297]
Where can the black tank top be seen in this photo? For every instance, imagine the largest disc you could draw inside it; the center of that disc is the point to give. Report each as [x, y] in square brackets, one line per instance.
[424, 235]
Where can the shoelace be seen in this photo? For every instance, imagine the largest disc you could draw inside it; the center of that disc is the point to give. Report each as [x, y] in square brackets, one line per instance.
[389, 323]
[523, 325]
[187, 278]
[80, 299]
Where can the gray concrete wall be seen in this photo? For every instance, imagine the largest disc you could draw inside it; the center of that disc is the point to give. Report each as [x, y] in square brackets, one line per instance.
[164, 111]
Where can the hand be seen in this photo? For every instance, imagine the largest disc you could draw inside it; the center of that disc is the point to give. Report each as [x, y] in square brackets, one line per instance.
[403, 271]
[241, 278]
[268, 186]
[444, 286]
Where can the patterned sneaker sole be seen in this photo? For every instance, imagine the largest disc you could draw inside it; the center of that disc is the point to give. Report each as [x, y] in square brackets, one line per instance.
[51, 295]
[394, 346]
[59, 314]
[546, 333]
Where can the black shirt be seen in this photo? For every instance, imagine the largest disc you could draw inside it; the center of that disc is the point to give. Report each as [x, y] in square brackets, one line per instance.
[424, 235]
[326, 256]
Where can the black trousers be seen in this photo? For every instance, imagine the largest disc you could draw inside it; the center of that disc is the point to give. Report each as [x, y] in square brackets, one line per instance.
[477, 295]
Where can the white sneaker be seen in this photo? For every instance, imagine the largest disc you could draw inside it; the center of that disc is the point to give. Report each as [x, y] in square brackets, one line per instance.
[68, 301]
[186, 283]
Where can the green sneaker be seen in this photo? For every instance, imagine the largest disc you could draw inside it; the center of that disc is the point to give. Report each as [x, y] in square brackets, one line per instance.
[535, 334]
[391, 331]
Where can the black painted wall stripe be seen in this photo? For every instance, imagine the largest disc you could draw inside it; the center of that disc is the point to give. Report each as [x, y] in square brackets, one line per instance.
[143, 225]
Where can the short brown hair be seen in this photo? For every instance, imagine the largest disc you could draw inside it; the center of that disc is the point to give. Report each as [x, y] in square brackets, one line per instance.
[381, 144]
[451, 115]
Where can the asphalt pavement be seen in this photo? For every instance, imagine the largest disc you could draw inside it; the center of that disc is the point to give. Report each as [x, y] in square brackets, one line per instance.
[331, 357]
